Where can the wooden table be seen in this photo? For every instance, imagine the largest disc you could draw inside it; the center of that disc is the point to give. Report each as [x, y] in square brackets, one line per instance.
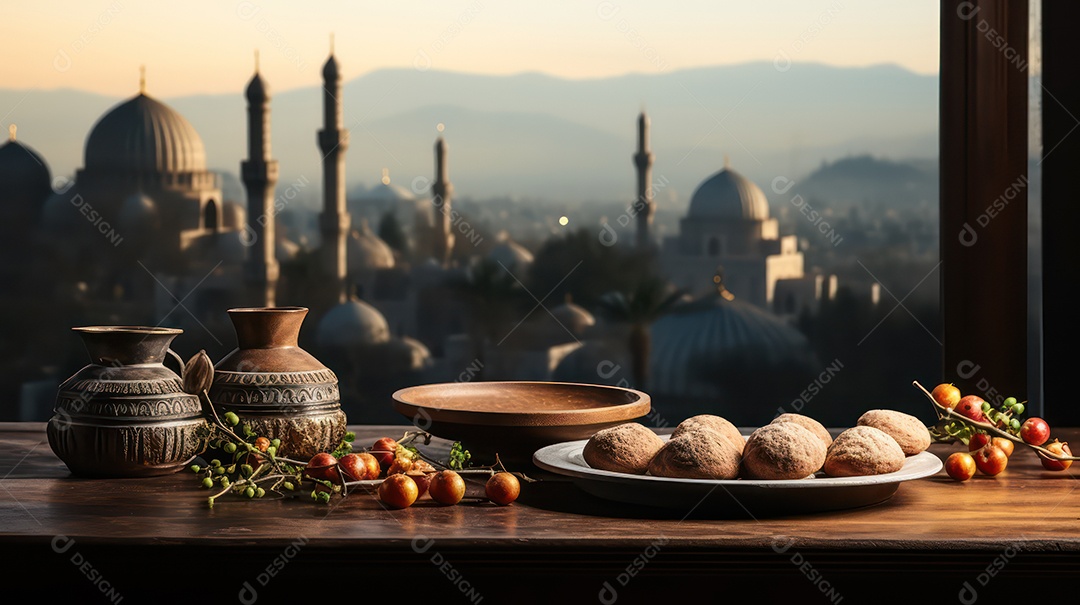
[138, 539]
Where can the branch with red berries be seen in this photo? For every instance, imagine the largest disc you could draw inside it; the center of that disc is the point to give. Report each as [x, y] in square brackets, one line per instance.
[975, 414]
[256, 470]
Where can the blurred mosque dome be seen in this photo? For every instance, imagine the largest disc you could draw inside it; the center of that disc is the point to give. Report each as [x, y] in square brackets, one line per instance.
[386, 191]
[367, 251]
[406, 354]
[510, 253]
[352, 324]
[693, 345]
[143, 135]
[389, 192]
[573, 317]
[728, 195]
[139, 213]
[24, 175]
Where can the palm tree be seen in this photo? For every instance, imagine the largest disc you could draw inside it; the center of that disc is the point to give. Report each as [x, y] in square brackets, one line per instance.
[649, 299]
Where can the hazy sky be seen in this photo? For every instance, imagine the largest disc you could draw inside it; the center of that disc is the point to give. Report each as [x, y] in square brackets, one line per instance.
[206, 46]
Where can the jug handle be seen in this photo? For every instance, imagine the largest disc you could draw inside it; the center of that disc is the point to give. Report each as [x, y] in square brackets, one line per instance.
[179, 360]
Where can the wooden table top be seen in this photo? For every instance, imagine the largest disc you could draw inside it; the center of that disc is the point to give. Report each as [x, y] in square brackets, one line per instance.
[554, 525]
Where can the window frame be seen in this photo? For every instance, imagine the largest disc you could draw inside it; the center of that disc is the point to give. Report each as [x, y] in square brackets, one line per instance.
[983, 152]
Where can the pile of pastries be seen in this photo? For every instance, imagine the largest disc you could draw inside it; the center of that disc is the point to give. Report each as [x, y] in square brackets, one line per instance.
[792, 446]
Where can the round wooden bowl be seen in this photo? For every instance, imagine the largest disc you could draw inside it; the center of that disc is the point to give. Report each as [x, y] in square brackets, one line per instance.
[514, 419]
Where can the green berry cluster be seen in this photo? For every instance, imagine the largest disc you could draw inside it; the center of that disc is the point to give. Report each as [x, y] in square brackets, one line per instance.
[250, 466]
[1005, 417]
[459, 457]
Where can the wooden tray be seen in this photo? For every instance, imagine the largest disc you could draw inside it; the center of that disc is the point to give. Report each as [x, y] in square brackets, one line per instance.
[514, 419]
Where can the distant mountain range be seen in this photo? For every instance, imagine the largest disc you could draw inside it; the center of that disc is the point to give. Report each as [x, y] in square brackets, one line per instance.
[537, 136]
[871, 183]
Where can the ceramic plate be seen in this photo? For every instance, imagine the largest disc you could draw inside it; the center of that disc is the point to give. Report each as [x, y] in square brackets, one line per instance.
[737, 496]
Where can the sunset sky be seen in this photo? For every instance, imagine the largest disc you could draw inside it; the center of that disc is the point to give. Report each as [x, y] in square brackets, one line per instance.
[206, 46]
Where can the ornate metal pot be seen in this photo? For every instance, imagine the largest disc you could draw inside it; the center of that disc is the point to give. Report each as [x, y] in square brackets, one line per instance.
[277, 388]
[125, 414]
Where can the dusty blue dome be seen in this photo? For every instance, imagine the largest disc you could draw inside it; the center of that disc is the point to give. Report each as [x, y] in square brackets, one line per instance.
[728, 195]
[695, 345]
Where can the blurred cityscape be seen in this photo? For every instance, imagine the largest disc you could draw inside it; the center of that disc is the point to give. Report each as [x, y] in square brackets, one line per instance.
[754, 288]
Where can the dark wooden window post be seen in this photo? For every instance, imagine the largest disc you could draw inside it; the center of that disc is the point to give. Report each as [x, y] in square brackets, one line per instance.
[1060, 210]
[984, 148]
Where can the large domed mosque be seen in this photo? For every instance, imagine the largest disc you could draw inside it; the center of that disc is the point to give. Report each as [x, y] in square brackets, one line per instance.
[728, 223]
[723, 344]
[142, 235]
[144, 174]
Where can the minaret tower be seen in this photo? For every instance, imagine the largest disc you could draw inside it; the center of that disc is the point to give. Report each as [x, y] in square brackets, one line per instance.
[644, 204]
[442, 193]
[260, 174]
[333, 141]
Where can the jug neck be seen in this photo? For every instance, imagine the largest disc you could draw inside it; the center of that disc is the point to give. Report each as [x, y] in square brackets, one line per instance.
[267, 327]
[127, 345]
